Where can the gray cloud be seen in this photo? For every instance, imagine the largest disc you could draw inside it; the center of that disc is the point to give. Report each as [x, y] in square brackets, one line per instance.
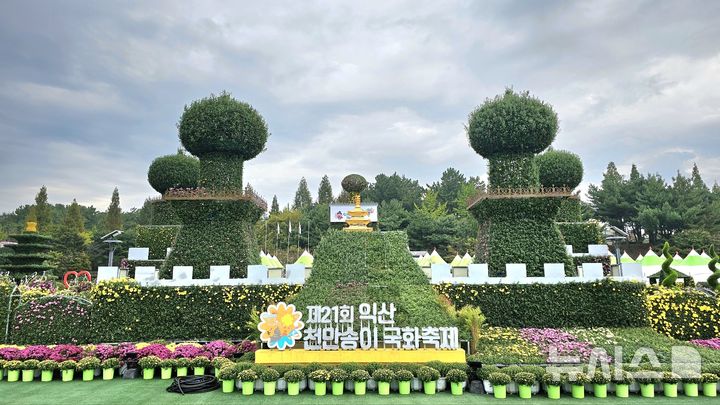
[90, 92]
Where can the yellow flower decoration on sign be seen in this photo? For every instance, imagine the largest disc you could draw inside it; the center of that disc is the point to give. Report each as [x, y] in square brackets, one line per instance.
[280, 326]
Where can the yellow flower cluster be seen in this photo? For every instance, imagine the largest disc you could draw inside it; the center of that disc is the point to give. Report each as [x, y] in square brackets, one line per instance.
[683, 314]
[495, 341]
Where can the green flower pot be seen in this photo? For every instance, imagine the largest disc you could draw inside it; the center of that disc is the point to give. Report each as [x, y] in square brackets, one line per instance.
[88, 375]
[524, 391]
[710, 389]
[166, 373]
[269, 387]
[383, 388]
[46, 375]
[338, 387]
[320, 388]
[647, 390]
[2, 373]
[108, 373]
[67, 375]
[216, 371]
[600, 390]
[456, 388]
[500, 391]
[228, 386]
[181, 371]
[430, 387]
[404, 387]
[293, 388]
[13, 375]
[360, 387]
[248, 387]
[28, 375]
[148, 373]
[578, 391]
[199, 370]
[670, 390]
[691, 389]
[622, 390]
[553, 391]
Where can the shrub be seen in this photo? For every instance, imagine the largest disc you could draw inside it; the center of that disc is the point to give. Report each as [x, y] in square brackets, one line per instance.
[456, 376]
[247, 375]
[157, 238]
[149, 362]
[218, 362]
[512, 370]
[293, 376]
[68, 365]
[319, 376]
[600, 378]
[580, 235]
[349, 367]
[360, 375]
[709, 378]
[48, 365]
[537, 371]
[89, 363]
[484, 372]
[338, 375]
[499, 379]
[115, 363]
[682, 314]
[427, 374]
[670, 378]
[383, 375]
[200, 361]
[646, 377]
[403, 375]
[269, 375]
[14, 365]
[310, 367]
[227, 372]
[623, 377]
[524, 378]
[692, 378]
[599, 304]
[173, 171]
[52, 319]
[181, 362]
[559, 168]
[31, 364]
[354, 183]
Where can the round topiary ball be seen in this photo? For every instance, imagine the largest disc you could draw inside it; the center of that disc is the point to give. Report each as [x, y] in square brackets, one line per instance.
[354, 183]
[512, 124]
[222, 125]
[559, 168]
[173, 171]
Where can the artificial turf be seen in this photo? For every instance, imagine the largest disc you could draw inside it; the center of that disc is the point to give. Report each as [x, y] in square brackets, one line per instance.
[128, 392]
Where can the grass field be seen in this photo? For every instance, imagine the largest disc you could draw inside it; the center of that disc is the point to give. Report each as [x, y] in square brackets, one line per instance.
[129, 392]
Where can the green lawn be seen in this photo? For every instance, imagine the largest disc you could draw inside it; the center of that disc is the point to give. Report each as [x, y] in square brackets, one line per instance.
[130, 392]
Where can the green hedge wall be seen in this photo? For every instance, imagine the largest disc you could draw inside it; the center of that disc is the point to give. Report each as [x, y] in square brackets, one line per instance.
[580, 234]
[54, 319]
[156, 237]
[606, 303]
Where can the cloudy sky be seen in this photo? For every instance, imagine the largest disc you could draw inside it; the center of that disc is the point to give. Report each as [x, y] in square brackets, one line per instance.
[90, 92]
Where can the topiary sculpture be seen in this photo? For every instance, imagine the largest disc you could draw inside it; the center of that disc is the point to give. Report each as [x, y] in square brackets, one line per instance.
[713, 279]
[516, 216]
[669, 275]
[354, 183]
[173, 171]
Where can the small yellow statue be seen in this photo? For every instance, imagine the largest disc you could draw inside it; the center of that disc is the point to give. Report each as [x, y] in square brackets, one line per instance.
[359, 219]
[31, 226]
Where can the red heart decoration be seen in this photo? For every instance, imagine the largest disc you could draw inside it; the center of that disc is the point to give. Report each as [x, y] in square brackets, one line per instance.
[76, 274]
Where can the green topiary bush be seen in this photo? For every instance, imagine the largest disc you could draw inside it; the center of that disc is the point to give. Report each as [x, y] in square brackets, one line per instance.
[354, 183]
[580, 234]
[157, 238]
[173, 171]
[559, 168]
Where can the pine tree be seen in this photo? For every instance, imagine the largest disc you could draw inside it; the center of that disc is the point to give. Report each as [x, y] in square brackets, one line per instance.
[31, 214]
[275, 207]
[113, 220]
[325, 194]
[42, 210]
[74, 219]
[303, 199]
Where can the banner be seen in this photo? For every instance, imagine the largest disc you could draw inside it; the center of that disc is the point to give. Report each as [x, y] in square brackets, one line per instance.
[339, 212]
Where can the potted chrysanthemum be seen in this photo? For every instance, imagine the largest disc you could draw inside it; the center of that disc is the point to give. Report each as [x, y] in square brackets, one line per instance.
[647, 380]
[218, 363]
[577, 383]
[457, 378]
[337, 378]
[524, 382]
[404, 378]
[47, 368]
[359, 378]
[181, 366]
[600, 381]
[227, 375]
[670, 382]
[293, 378]
[88, 365]
[166, 368]
[499, 383]
[709, 382]
[108, 368]
[384, 377]
[199, 364]
[690, 384]
[28, 369]
[67, 370]
[269, 376]
[429, 377]
[320, 378]
[622, 381]
[247, 378]
[13, 368]
[148, 364]
[552, 381]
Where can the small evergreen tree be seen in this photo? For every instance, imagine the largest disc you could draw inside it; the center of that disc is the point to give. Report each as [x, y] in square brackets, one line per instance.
[74, 219]
[275, 207]
[42, 210]
[325, 195]
[113, 220]
[303, 199]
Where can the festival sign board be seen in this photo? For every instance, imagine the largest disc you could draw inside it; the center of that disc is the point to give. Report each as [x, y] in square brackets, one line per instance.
[339, 212]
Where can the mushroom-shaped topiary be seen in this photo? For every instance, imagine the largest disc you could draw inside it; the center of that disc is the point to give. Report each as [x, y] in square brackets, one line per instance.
[173, 171]
[512, 124]
[222, 125]
[559, 168]
[354, 183]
